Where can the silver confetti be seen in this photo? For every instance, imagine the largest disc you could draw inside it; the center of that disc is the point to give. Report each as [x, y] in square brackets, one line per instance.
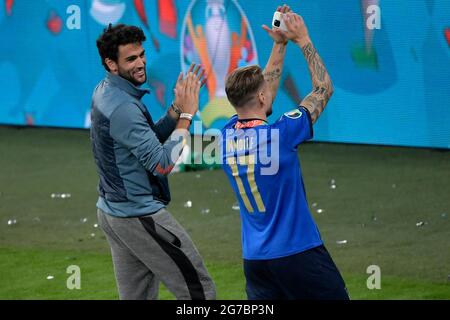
[314, 205]
[235, 207]
[36, 219]
[84, 220]
[420, 224]
[12, 222]
[341, 241]
[444, 215]
[205, 211]
[95, 225]
[320, 210]
[332, 184]
[374, 218]
[50, 277]
[188, 204]
[61, 195]
[92, 235]
[197, 176]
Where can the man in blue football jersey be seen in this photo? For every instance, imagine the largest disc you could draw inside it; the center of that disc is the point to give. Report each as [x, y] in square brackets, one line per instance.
[284, 256]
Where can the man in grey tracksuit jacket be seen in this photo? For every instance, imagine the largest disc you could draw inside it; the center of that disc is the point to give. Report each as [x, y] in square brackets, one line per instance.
[133, 156]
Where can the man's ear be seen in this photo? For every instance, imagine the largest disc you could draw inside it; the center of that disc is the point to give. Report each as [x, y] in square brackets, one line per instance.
[261, 98]
[112, 65]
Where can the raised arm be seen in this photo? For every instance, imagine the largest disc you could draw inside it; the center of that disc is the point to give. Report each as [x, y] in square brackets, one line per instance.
[274, 67]
[322, 87]
[167, 124]
[129, 127]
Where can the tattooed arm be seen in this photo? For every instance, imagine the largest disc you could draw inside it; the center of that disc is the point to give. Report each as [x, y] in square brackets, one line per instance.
[316, 101]
[274, 67]
[322, 86]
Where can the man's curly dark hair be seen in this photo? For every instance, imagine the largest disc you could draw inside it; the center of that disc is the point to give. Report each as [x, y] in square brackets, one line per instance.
[114, 36]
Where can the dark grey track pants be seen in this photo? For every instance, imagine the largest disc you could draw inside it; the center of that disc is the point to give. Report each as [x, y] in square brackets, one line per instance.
[153, 248]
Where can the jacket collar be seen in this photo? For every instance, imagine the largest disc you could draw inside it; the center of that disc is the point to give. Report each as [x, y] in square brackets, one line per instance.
[126, 85]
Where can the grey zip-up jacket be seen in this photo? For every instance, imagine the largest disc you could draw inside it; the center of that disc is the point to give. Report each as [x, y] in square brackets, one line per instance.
[132, 154]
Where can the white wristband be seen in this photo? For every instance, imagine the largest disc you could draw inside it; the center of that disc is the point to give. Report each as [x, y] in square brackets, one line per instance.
[186, 116]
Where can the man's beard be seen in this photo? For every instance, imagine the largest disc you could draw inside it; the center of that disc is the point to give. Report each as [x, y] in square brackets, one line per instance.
[129, 77]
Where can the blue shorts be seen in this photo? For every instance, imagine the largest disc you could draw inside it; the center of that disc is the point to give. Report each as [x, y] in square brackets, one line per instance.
[309, 275]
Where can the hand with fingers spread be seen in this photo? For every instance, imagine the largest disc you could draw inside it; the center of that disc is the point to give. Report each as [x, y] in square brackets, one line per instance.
[276, 34]
[297, 31]
[187, 89]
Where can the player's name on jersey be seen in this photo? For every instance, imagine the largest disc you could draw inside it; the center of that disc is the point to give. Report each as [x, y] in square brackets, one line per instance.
[246, 143]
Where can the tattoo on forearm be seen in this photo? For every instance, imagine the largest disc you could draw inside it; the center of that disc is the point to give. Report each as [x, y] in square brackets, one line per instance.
[282, 49]
[277, 62]
[322, 86]
[272, 75]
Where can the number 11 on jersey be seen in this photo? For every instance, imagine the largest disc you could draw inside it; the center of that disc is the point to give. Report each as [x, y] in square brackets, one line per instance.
[249, 162]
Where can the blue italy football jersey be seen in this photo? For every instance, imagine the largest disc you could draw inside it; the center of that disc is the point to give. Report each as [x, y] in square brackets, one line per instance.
[261, 162]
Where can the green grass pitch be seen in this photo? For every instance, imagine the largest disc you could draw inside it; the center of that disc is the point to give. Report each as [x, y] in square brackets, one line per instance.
[382, 194]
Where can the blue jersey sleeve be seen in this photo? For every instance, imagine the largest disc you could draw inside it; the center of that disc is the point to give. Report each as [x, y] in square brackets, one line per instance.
[295, 127]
